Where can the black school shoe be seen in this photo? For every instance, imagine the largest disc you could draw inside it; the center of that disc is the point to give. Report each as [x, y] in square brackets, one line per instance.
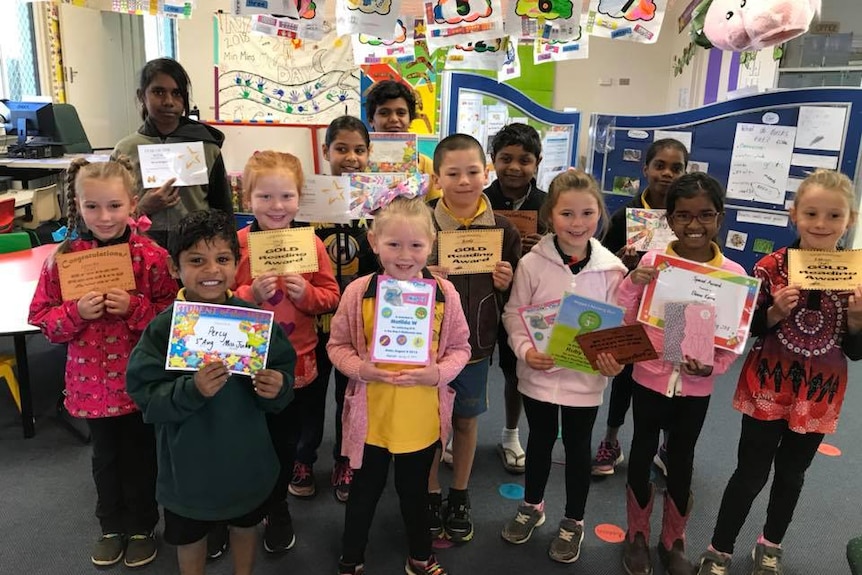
[217, 542]
[278, 534]
[457, 522]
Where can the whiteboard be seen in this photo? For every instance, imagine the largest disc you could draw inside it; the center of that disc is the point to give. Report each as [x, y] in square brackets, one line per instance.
[243, 140]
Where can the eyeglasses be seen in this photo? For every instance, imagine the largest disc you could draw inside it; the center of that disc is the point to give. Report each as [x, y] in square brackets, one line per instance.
[685, 218]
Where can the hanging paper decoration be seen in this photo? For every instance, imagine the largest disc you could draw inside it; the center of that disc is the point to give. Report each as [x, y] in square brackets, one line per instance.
[481, 55]
[301, 19]
[548, 19]
[373, 50]
[171, 8]
[511, 66]
[449, 22]
[271, 7]
[372, 17]
[559, 50]
[633, 20]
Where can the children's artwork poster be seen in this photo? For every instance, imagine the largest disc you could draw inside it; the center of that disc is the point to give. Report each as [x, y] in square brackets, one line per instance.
[647, 229]
[577, 315]
[825, 270]
[393, 152]
[545, 51]
[450, 22]
[283, 80]
[369, 191]
[538, 319]
[403, 321]
[252, 7]
[373, 17]
[98, 269]
[626, 343]
[475, 251]
[527, 221]
[543, 19]
[324, 199]
[733, 295]
[632, 20]
[511, 66]
[689, 331]
[479, 55]
[204, 333]
[760, 163]
[821, 127]
[397, 47]
[184, 161]
[286, 251]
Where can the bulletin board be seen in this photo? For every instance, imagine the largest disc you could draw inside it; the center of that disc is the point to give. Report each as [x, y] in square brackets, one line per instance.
[759, 147]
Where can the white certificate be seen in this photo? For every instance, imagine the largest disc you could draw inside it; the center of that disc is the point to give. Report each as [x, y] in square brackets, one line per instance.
[184, 161]
[403, 321]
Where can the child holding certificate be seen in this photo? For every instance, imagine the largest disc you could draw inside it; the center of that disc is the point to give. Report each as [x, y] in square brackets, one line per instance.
[396, 411]
[674, 395]
[570, 256]
[217, 465]
[271, 184]
[785, 416]
[102, 327]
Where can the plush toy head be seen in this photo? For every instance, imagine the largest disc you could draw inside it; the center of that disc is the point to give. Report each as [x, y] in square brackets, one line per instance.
[740, 25]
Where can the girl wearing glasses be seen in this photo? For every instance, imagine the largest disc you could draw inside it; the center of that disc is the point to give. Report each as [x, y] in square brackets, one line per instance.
[669, 394]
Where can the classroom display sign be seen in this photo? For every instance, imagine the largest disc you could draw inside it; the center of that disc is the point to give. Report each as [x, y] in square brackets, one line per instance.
[734, 297]
[632, 20]
[95, 270]
[450, 22]
[397, 47]
[287, 251]
[577, 315]
[648, 229]
[374, 17]
[207, 333]
[538, 319]
[393, 152]
[403, 321]
[825, 270]
[474, 251]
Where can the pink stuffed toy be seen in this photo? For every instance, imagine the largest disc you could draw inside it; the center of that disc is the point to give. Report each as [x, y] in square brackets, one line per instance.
[740, 25]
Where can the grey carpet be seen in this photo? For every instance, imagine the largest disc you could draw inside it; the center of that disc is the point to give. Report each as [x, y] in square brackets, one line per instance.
[47, 500]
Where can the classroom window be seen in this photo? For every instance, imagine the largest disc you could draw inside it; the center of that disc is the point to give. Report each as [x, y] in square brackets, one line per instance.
[19, 75]
[160, 37]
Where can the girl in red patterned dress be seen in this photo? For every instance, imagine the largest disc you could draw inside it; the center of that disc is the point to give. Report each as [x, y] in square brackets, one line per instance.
[792, 384]
[101, 328]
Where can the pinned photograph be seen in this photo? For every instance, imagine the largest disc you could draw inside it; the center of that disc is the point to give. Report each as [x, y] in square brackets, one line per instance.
[736, 240]
[631, 155]
[626, 185]
[695, 166]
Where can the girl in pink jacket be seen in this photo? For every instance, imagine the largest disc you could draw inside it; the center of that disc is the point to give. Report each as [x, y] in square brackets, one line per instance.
[101, 328]
[675, 396]
[395, 411]
[570, 259]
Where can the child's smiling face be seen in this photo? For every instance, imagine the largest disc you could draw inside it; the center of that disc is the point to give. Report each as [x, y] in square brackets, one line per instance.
[207, 269]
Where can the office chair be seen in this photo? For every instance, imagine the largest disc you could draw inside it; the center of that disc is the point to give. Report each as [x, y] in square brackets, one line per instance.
[70, 131]
[7, 215]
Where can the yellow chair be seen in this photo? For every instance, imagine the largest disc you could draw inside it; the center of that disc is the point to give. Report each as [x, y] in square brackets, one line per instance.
[7, 364]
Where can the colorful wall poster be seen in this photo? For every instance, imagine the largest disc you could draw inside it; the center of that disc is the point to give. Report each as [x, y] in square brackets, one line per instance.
[372, 17]
[632, 20]
[393, 152]
[734, 297]
[577, 315]
[538, 319]
[403, 321]
[647, 229]
[450, 22]
[205, 333]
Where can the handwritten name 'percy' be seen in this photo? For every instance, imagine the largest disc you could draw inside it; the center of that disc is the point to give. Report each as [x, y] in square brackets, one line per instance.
[214, 336]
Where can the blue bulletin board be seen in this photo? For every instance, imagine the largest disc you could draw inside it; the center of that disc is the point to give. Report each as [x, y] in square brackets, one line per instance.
[817, 127]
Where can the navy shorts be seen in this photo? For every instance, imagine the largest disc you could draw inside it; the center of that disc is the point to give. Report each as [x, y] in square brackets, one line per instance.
[471, 389]
[181, 530]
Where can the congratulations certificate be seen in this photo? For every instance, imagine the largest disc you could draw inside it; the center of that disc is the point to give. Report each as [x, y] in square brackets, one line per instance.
[403, 321]
[203, 333]
[734, 297]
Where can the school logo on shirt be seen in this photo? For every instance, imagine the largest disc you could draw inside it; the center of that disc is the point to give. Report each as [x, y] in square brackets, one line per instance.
[346, 253]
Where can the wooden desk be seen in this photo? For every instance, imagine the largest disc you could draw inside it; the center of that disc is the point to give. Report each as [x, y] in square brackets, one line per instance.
[20, 273]
[60, 163]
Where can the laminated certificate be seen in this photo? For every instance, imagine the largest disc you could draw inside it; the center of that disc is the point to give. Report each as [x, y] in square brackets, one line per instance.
[403, 321]
[204, 333]
[184, 161]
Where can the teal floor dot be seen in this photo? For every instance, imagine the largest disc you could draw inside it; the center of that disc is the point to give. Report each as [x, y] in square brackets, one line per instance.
[512, 491]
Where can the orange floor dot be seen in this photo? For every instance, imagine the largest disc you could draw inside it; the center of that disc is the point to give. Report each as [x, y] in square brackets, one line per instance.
[610, 533]
[830, 450]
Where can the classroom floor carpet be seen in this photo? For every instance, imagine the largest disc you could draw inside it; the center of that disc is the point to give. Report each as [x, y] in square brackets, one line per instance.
[47, 499]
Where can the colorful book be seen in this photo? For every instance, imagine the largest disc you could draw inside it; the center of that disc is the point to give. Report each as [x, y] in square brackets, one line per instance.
[689, 331]
[539, 319]
[577, 315]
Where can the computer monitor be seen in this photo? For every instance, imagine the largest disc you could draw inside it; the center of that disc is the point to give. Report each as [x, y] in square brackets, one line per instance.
[31, 120]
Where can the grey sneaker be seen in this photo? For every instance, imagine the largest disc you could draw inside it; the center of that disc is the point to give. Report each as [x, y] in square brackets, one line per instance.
[566, 546]
[141, 550]
[109, 549]
[712, 563]
[767, 560]
[519, 529]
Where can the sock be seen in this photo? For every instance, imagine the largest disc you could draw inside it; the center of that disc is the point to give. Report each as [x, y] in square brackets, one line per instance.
[511, 439]
[540, 507]
[764, 541]
[716, 551]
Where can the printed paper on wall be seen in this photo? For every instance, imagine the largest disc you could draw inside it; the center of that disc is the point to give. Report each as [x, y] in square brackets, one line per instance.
[632, 20]
[450, 22]
[397, 48]
[372, 17]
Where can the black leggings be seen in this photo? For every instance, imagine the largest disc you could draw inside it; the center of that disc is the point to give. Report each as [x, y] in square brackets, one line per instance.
[577, 431]
[621, 397]
[324, 370]
[683, 417]
[760, 444]
[411, 483]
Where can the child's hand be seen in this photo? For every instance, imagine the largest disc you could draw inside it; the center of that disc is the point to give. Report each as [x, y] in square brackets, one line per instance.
[370, 372]
[538, 360]
[502, 276]
[263, 287]
[629, 256]
[439, 271]
[268, 383]
[211, 378]
[695, 367]
[295, 286]
[854, 311]
[784, 300]
[156, 200]
[528, 241]
[117, 302]
[91, 306]
[608, 365]
[428, 375]
[642, 275]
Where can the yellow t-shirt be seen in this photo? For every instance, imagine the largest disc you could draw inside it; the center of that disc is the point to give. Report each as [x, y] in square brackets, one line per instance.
[717, 257]
[402, 419]
[466, 222]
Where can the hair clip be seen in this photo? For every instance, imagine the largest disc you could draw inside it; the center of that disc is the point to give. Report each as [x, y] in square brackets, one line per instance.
[63, 233]
[140, 225]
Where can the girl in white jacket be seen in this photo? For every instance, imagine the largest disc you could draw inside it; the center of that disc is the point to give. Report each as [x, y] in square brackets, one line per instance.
[570, 259]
